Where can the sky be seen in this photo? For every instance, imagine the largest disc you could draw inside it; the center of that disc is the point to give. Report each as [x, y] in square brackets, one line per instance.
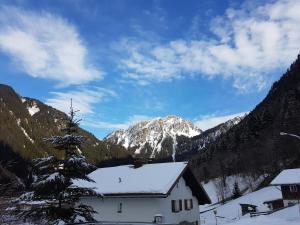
[123, 61]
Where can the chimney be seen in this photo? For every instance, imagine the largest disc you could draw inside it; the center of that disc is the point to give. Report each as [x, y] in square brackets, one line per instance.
[139, 162]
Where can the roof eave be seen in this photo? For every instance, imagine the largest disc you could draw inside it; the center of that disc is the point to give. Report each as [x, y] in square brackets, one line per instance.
[282, 184]
[136, 195]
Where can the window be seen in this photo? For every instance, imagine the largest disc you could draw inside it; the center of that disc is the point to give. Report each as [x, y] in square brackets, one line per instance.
[188, 204]
[293, 188]
[120, 208]
[176, 205]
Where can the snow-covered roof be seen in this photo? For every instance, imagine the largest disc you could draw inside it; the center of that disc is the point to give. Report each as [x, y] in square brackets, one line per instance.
[148, 179]
[290, 176]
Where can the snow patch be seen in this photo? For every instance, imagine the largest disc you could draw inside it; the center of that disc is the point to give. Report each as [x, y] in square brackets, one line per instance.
[33, 109]
[24, 131]
[26, 134]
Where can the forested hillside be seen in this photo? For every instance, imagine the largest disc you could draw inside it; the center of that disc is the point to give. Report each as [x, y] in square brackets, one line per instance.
[255, 144]
[24, 122]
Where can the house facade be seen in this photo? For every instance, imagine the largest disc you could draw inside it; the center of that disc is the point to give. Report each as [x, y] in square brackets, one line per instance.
[153, 193]
[289, 181]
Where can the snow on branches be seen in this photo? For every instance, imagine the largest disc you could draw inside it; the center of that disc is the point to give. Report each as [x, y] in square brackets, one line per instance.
[53, 198]
[66, 140]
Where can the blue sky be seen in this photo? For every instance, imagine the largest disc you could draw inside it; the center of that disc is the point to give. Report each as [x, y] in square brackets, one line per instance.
[123, 61]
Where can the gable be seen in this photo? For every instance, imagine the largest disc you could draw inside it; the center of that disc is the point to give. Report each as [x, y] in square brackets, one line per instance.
[194, 185]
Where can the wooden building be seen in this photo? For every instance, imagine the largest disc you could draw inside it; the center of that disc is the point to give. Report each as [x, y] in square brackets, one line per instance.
[248, 208]
[289, 181]
[274, 204]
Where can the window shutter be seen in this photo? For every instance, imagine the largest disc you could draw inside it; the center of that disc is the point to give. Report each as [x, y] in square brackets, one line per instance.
[120, 208]
[185, 204]
[191, 203]
[173, 205]
[180, 205]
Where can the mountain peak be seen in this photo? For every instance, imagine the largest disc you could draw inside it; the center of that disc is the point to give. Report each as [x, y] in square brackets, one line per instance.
[153, 136]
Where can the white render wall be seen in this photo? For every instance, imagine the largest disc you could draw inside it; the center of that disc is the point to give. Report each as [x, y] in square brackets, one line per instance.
[144, 209]
[181, 191]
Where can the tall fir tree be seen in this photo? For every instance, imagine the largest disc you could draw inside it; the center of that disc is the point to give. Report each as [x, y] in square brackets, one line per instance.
[53, 198]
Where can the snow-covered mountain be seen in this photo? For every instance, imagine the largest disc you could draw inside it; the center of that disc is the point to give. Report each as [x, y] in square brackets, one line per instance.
[156, 137]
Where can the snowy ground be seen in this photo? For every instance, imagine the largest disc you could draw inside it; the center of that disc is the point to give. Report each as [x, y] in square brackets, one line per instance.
[246, 184]
[288, 216]
[230, 213]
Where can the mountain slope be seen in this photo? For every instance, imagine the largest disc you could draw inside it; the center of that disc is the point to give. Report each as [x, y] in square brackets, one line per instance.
[254, 145]
[186, 147]
[24, 122]
[154, 138]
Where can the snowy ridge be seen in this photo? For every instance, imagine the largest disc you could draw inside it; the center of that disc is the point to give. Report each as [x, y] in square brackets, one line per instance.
[153, 133]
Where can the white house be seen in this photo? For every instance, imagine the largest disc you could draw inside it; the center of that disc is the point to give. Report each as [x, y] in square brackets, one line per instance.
[289, 181]
[160, 193]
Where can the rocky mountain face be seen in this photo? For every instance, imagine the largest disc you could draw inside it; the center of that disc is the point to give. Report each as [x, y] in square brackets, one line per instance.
[24, 122]
[155, 138]
[255, 145]
[165, 138]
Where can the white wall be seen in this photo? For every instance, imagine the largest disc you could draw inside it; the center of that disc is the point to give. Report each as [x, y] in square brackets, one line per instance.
[181, 191]
[144, 209]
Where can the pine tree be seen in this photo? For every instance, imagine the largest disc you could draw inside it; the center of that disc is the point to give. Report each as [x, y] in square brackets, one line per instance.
[236, 190]
[54, 199]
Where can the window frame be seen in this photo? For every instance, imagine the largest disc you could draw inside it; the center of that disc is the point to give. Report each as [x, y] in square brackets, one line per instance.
[176, 205]
[293, 188]
[188, 204]
[120, 208]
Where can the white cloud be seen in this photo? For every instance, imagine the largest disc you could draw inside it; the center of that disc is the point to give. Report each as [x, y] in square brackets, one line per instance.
[83, 100]
[249, 45]
[46, 46]
[211, 121]
[116, 126]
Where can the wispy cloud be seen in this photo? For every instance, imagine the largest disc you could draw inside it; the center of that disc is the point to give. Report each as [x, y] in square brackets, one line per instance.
[210, 121]
[115, 126]
[83, 99]
[248, 46]
[46, 46]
